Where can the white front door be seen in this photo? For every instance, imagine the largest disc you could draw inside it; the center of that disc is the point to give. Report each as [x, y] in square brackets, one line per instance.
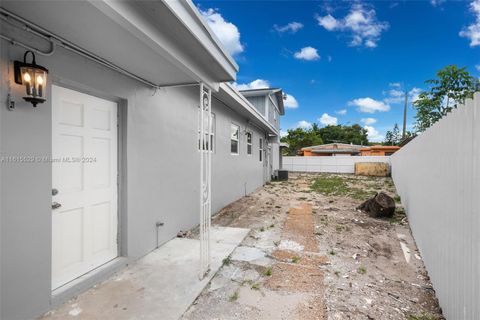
[84, 181]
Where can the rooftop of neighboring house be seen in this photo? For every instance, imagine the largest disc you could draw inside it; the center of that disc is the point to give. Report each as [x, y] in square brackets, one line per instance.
[379, 147]
[333, 146]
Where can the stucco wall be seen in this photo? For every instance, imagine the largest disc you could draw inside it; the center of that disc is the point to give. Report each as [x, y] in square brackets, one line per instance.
[160, 171]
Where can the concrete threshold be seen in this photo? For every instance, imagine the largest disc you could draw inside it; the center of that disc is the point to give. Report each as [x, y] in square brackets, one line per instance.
[161, 285]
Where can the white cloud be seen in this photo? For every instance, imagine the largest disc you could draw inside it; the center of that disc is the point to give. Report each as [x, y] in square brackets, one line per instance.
[290, 102]
[342, 112]
[394, 95]
[368, 121]
[361, 22]
[303, 124]
[307, 53]
[477, 67]
[283, 133]
[373, 134]
[413, 94]
[226, 32]
[329, 22]
[472, 32]
[369, 105]
[397, 94]
[328, 120]
[255, 84]
[291, 27]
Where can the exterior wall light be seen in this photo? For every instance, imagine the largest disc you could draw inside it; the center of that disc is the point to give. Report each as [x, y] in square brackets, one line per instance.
[33, 77]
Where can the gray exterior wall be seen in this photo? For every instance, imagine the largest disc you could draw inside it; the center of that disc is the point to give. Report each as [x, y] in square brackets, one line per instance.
[273, 114]
[258, 102]
[159, 171]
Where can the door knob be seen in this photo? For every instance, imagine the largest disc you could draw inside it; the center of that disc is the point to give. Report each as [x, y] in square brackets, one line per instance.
[56, 205]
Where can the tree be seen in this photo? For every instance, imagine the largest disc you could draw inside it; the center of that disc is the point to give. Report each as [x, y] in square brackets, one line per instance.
[452, 86]
[344, 134]
[393, 137]
[299, 138]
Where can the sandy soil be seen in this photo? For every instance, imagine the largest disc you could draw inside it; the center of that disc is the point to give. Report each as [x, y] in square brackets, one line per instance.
[312, 255]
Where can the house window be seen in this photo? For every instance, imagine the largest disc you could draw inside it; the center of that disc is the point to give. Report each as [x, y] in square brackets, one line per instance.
[249, 143]
[261, 150]
[234, 141]
[208, 141]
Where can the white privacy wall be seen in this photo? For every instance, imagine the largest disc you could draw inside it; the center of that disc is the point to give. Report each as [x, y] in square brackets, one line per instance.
[437, 176]
[340, 164]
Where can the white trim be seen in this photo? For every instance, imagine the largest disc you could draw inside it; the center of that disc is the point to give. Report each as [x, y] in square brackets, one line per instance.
[238, 139]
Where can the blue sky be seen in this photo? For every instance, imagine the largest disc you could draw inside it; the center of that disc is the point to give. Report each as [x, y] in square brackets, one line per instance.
[346, 62]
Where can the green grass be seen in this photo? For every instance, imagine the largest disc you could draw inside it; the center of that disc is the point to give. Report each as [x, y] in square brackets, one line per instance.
[295, 259]
[421, 317]
[339, 186]
[268, 272]
[234, 297]
[255, 286]
[332, 253]
[362, 270]
[397, 199]
[227, 261]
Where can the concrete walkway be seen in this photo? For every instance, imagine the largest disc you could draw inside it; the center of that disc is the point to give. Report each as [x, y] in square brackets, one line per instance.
[161, 285]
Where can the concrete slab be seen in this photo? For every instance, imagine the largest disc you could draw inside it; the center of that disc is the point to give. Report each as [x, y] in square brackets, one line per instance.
[161, 285]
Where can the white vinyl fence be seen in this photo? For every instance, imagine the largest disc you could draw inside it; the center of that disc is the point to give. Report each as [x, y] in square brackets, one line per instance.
[437, 176]
[340, 164]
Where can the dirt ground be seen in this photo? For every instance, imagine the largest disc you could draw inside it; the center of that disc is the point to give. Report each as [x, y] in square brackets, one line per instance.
[311, 255]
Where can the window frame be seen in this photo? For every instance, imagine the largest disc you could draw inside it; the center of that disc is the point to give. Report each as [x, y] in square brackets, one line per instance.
[260, 149]
[249, 144]
[238, 139]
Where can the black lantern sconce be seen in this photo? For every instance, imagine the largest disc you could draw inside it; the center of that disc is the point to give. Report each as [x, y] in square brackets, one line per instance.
[33, 77]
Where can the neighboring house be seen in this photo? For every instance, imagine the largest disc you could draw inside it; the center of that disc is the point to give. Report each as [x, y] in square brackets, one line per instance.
[331, 150]
[107, 168]
[379, 150]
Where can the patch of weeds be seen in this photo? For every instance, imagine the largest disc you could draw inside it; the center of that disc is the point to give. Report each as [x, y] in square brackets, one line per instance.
[262, 229]
[272, 225]
[332, 253]
[397, 199]
[337, 273]
[421, 317]
[255, 286]
[268, 272]
[227, 261]
[302, 198]
[278, 207]
[362, 270]
[338, 186]
[234, 297]
[330, 185]
[339, 228]
[296, 259]
[276, 243]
